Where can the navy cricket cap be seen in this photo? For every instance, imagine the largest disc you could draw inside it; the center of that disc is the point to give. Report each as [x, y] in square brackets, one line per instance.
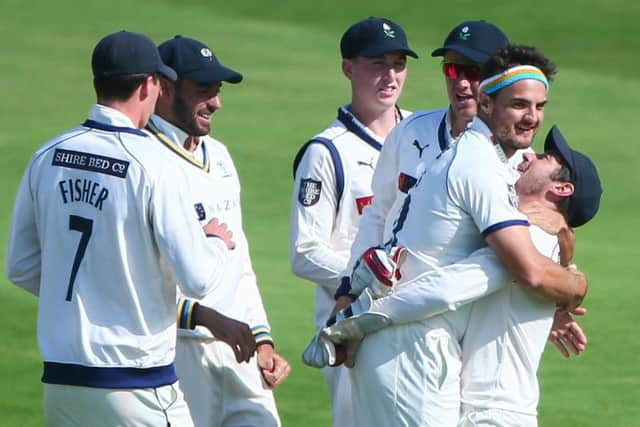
[475, 40]
[585, 200]
[126, 53]
[373, 37]
[193, 60]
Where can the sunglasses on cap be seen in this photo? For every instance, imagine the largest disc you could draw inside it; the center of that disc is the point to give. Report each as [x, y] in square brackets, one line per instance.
[455, 70]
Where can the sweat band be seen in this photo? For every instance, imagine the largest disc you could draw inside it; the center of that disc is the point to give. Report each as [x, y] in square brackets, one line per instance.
[512, 75]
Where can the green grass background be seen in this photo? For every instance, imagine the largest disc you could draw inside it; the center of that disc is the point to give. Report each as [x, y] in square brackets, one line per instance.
[288, 52]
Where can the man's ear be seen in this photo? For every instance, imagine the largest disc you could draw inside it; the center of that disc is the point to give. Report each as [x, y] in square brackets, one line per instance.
[166, 88]
[563, 189]
[347, 67]
[485, 103]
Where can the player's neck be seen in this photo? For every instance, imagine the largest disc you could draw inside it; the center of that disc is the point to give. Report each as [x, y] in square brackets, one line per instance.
[134, 111]
[380, 122]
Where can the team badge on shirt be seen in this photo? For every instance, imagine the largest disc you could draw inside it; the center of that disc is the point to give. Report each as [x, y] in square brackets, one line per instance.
[309, 193]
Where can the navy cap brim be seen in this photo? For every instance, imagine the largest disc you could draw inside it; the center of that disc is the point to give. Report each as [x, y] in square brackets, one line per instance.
[378, 51]
[168, 72]
[470, 54]
[216, 74]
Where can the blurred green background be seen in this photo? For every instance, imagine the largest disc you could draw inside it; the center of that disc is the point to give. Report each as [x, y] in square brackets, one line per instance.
[288, 53]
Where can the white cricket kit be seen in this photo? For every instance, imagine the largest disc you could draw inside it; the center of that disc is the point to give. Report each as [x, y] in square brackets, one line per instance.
[503, 345]
[218, 389]
[97, 209]
[408, 150]
[333, 175]
[332, 187]
[409, 374]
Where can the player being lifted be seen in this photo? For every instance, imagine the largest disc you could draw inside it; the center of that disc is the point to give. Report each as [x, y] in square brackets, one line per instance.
[480, 198]
[333, 172]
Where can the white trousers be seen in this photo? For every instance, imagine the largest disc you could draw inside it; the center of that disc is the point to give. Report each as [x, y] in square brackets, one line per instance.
[73, 406]
[408, 375]
[220, 391]
[339, 384]
[483, 417]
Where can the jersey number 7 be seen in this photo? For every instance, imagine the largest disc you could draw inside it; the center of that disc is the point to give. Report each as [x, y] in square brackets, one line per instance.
[84, 226]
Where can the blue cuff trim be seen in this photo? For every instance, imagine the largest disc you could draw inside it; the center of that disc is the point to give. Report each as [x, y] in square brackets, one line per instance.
[504, 224]
[91, 376]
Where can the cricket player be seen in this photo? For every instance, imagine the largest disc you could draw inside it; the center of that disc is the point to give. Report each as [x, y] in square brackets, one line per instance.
[405, 155]
[219, 390]
[507, 331]
[333, 172]
[98, 215]
[455, 207]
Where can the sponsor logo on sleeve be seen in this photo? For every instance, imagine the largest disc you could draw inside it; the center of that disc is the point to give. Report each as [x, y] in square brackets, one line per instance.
[363, 202]
[90, 162]
[309, 193]
[200, 211]
[405, 182]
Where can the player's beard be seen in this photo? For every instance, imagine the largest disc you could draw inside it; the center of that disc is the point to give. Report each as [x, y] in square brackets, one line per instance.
[185, 116]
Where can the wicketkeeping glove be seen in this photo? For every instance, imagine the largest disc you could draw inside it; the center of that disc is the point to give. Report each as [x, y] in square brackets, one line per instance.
[320, 352]
[350, 325]
[377, 269]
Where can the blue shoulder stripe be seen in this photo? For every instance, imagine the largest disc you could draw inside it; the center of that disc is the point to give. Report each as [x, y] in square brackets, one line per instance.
[348, 121]
[337, 164]
[504, 224]
[110, 128]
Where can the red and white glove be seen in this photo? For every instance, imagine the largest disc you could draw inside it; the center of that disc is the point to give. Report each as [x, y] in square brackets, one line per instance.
[377, 269]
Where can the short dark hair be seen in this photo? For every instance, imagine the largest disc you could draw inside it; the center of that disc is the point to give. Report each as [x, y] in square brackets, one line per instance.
[512, 55]
[118, 88]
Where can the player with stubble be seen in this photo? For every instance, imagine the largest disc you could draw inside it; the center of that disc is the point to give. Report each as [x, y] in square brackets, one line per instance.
[219, 390]
[442, 228]
[333, 172]
[101, 227]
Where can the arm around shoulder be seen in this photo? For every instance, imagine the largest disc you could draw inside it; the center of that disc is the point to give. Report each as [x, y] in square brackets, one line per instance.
[534, 271]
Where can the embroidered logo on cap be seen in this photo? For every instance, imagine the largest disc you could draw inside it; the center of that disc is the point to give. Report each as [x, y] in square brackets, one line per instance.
[464, 33]
[206, 52]
[388, 32]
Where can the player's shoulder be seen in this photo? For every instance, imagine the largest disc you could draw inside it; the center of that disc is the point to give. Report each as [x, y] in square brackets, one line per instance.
[423, 117]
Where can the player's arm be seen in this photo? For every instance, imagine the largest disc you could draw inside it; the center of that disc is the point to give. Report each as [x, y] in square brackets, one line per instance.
[236, 334]
[23, 259]
[484, 193]
[543, 277]
[196, 260]
[384, 189]
[312, 219]
[445, 288]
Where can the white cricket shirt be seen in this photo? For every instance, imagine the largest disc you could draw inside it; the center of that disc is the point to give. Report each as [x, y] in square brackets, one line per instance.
[332, 187]
[215, 189]
[97, 208]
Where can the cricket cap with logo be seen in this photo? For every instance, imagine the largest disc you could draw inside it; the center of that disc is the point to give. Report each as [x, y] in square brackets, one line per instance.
[373, 37]
[125, 53]
[585, 200]
[193, 60]
[475, 40]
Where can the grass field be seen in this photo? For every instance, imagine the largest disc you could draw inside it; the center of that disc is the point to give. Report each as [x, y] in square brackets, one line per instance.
[288, 52]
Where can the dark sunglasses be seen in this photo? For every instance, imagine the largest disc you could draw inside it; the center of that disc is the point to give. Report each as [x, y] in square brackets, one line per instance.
[453, 71]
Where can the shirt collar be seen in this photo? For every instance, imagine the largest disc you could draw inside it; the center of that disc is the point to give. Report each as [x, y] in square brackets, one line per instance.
[110, 116]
